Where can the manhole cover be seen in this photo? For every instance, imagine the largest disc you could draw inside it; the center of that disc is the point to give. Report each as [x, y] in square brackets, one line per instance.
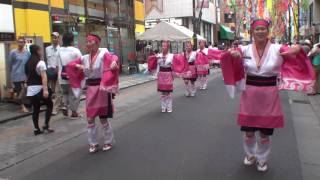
[300, 101]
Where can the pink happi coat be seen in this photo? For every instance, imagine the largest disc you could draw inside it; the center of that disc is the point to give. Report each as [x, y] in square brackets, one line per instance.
[152, 63]
[296, 73]
[233, 73]
[214, 55]
[180, 65]
[109, 79]
[98, 94]
[191, 73]
[202, 63]
[76, 76]
[260, 106]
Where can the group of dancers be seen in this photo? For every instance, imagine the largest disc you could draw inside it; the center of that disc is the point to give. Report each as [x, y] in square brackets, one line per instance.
[257, 70]
[191, 66]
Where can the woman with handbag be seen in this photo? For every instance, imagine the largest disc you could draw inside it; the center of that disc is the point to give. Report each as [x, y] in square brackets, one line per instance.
[37, 89]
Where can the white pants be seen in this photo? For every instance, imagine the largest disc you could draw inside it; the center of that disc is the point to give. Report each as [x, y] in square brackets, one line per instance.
[166, 101]
[257, 147]
[93, 135]
[70, 101]
[190, 87]
[203, 81]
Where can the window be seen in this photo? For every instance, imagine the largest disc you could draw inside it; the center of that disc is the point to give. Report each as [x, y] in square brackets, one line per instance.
[207, 31]
[185, 22]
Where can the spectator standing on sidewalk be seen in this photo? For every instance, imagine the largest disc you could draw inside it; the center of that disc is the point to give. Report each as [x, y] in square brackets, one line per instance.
[306, 45]
[314, 55]
[66, 54]
[38, 90]
[52, 71]
[18, 58]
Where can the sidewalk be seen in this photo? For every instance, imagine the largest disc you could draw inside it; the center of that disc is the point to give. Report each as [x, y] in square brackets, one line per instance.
[10, 111]
[306, 117]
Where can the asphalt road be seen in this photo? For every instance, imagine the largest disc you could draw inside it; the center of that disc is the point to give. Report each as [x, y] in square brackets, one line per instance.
[198, 141]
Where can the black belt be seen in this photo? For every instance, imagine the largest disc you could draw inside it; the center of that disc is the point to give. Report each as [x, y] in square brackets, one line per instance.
[191, 63]
[93, 82]
[165, 69]
[261, 81]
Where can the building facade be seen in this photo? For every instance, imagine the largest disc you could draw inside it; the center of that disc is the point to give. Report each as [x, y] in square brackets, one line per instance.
[183, 12]
[314, 20]
[115, 21]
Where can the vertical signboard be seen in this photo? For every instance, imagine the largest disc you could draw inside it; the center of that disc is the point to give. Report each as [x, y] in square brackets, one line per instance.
[6, 21]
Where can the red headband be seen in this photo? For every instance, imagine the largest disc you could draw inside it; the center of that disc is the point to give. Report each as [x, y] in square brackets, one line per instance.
[261, 22]
[93, 38]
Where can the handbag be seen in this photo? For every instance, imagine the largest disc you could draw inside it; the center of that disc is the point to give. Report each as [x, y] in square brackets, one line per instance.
[63, 73]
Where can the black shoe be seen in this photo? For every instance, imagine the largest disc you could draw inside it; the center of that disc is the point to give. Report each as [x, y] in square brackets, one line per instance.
[47, 130]
[65, 112]
[37, 132]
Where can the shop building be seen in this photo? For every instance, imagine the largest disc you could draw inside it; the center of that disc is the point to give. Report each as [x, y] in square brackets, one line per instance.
[113, 20]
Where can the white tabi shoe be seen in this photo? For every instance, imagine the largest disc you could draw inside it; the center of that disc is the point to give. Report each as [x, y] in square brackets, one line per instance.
[163, 110]
[249, 161]
[262, 167]
[204, 87]
[106, 147]
[193, 94]
[93, 148]
[169, 110]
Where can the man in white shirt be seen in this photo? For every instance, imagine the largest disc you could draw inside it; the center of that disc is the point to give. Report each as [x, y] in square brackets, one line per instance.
[52, 71]
[68, 53]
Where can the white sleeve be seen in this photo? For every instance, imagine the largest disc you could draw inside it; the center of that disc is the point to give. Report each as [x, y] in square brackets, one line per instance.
[78, 53]
[243, 48]
[41, 66]
[47, 52]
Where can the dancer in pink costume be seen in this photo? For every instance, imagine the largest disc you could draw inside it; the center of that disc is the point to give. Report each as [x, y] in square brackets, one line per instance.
[101, 72]
[259, 70]
[203, 65]
[166, 65]
[191, 76]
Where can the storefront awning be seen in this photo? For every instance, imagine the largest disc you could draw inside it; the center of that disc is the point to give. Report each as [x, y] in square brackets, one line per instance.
[226, 33]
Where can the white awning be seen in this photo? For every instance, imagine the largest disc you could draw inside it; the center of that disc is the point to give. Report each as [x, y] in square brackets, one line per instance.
[165, 31]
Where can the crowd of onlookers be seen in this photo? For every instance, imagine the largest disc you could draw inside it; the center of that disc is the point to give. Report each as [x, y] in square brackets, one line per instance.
[42, 78]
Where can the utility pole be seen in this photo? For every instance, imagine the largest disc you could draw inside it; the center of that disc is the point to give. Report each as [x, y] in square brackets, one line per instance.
[86, 13]
[289, 28]
[194, 25]
[298, 23]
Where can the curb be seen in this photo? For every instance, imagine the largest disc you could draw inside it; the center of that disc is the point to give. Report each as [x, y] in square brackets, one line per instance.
[30, 113]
